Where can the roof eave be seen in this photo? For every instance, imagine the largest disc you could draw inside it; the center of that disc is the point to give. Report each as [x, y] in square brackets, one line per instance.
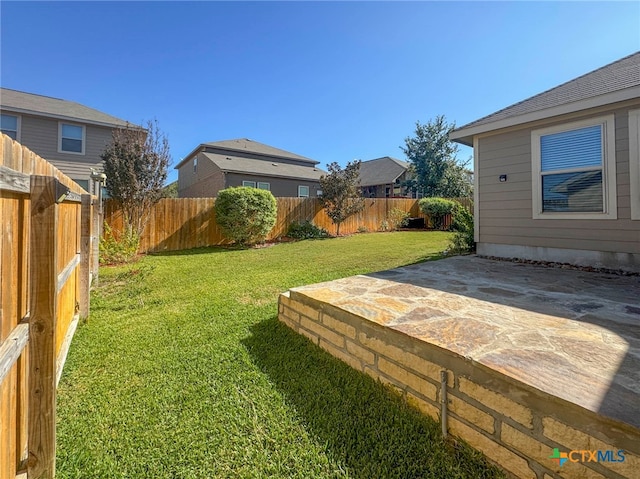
[73, 119]
[465, 135]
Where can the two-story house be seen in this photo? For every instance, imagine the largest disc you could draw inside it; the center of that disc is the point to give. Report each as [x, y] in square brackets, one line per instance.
[69, 135]
[211, 167]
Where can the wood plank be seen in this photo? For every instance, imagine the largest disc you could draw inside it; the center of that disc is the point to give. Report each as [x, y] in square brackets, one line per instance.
[14, 181]
[42, 325]
[68, 270]
[12, 348]
[85, 255]
[64, 349]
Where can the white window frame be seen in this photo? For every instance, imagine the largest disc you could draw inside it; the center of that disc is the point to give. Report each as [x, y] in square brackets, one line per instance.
[300, 195]
[634, 163]
[610, 209]
[18, 124]
[195, 164]
[251, 184]
[84, 138]
[263, 183]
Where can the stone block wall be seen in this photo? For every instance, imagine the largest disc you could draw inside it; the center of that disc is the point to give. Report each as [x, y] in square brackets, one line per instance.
[515, 426]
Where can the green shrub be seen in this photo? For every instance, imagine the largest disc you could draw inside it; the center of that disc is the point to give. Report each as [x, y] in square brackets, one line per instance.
[462, 240]
[397, 218]
[245, 214]
[363, 229]
[384, 226]
[306, 230]
[437, 209]
[118, 247]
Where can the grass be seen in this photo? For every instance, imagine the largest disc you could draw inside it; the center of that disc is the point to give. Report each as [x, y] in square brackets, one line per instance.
[183, 371]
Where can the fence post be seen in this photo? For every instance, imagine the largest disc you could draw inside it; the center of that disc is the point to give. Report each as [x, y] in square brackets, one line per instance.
[86, 215]
[96, 229]
[42, 327]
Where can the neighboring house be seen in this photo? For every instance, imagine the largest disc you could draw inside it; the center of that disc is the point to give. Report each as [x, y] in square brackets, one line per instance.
[384, 178]
[558, 175]
[212, 167]
[67, 134]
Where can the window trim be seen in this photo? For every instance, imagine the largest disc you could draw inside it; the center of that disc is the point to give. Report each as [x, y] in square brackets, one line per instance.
[249, 181]
[268, 188]
[18, 124]
[610, 210]
[634, 163]
[195, 164]
[308, 191]
[84, 138]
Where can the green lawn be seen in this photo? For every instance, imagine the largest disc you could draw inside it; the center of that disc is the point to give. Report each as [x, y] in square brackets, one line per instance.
[183, 371]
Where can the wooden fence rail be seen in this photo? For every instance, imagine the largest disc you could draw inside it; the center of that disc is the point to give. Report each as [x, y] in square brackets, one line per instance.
[184, 223]
[46, 268]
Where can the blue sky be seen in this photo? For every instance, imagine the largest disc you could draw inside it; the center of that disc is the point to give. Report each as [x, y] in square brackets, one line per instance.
[332, 81]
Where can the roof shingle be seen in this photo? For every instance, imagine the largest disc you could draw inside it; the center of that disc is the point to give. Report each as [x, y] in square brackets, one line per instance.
[381, 171]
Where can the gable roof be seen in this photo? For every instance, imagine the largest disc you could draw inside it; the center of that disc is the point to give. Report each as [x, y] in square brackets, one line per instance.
[241, 164]
[381, 171]
[617, 81]
[29, 103]
[248, 146]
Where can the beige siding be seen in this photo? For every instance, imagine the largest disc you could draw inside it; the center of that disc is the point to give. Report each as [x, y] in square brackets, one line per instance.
[205, 182]
[505, 209]
[41, 136]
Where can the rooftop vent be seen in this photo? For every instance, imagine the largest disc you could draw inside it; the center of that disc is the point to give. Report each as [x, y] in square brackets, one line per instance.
[274, 164]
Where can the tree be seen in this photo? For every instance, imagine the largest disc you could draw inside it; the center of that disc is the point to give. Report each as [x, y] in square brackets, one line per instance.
[136, 163]
[341, 195]
[433, 161]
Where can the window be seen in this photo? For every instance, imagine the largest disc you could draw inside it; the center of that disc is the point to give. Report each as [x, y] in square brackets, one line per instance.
[71, 138]
[264, 186]
[9, 125]
[318, 193]
[84, 184]
[252, 184]
[195, 164]
[634, 162]
[303, 191]
[574, 170]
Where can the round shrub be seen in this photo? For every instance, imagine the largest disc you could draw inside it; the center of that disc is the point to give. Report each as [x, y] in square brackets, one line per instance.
[438, 209]
[245, 214]
[306, 230]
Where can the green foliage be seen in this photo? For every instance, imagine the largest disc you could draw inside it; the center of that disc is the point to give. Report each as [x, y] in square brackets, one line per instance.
[118, 247]
[463, 238]
[438, 209]
[341, 194]
[384, 226]
[433, 160]
[245, 214]
[363, 229]
[136, 163]
[171, 190]
[306, 230]
[398, 218]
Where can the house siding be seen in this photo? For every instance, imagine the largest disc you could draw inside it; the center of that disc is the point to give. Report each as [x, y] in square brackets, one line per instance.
[505, 209]
[203, 183]
[280, 187]
[41, 136]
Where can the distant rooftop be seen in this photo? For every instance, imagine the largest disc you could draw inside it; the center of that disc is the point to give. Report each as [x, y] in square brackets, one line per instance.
[240, 164]
[381, 171]
[620, 76]
[31, 103]
[245, 144]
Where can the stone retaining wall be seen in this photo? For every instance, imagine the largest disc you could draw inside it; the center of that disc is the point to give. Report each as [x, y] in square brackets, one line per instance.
[514, 425]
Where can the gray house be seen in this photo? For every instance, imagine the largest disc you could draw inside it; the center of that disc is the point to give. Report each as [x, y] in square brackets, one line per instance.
[67, 134]
[211, 167]
[384, 178]
[558, 175]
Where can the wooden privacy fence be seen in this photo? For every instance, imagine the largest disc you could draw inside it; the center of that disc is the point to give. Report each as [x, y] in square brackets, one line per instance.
[184, 223]
[47, 259]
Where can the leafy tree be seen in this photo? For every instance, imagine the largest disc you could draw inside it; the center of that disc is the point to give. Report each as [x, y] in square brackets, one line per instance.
[136, 165]
[171, 190]
[341, 194]
[433, 160]
[246, 214]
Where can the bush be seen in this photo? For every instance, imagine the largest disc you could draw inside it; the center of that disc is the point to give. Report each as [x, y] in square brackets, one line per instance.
[306, 230]
[438, 209]
[117, 248]
[462, 224]
[384, 226]
[363, 229]
[398, 218]
[245, 214]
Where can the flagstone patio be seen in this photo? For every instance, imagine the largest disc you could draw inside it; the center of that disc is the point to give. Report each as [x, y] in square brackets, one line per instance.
[537, 356]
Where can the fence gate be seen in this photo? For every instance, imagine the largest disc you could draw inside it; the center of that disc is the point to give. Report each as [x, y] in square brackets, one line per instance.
[45, 266]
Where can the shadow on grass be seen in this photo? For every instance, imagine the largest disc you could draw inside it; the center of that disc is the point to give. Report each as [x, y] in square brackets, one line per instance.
[367, 428]
[197, 251]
